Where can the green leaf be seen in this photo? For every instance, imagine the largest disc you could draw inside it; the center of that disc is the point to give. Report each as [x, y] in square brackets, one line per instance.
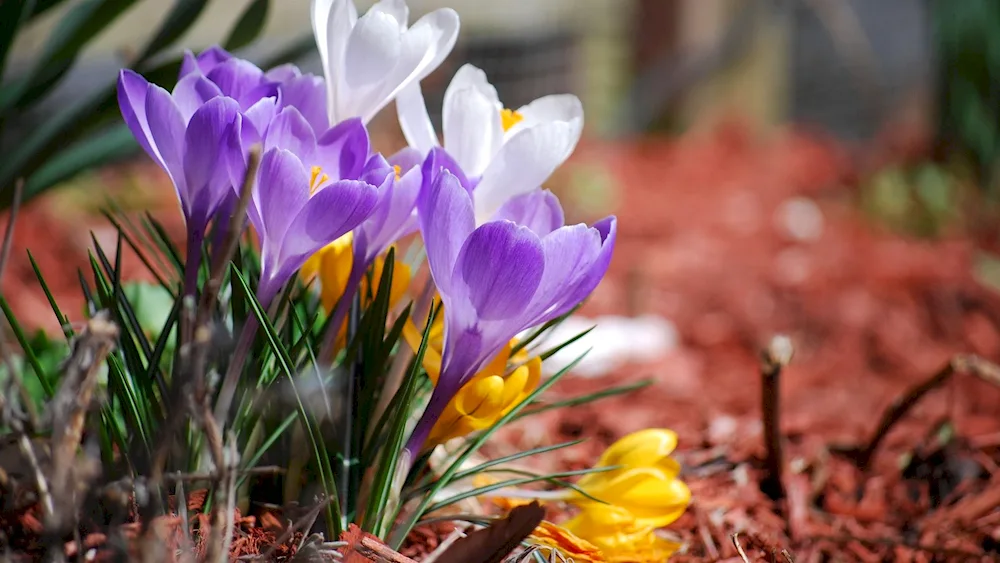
[249, 26]
[79, 26]
[180, 18]
[114, 144]
[60, 317]
[533, 478]
[13, 13]
[334, 515]
[588, 398]
[375, 515]
[500, 461]
[29, 354]
[42, 6]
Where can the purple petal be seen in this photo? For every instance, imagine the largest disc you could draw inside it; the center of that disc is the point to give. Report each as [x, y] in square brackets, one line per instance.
[393, 217]
[446, 220]
[208, 151]
[307, 94]
[344, 149]
[538, 210]
[205, 61]
[282, 191]
[192, 91]
[501, 263]
[166, 127]
[283, 73]
[438, 159]
[132, 103]
[406, 158]
[290, 131]
[608, 230]
[576, 259]
[328, 215]
[242, 81]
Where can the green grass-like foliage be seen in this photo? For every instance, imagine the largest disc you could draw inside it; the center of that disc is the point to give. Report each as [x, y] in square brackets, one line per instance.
[294, 432]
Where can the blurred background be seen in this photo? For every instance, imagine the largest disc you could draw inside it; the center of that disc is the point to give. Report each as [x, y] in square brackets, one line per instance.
[821, 168]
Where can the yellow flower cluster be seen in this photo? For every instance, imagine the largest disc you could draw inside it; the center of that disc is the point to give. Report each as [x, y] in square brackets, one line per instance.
[640, 494]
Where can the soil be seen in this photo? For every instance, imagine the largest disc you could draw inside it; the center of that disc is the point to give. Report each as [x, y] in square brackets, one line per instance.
[718, 234]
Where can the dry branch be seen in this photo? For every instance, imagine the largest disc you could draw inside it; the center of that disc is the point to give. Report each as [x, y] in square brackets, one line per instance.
[776, 356]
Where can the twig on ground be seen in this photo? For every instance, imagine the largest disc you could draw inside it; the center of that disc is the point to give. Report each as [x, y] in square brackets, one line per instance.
[454, 536]
[739, 548]
[361, 544]
[304, 523]
[69, 410]
[970, 364]
[776, 356]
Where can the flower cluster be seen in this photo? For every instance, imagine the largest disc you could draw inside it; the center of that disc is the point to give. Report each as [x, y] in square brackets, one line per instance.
[326, 207]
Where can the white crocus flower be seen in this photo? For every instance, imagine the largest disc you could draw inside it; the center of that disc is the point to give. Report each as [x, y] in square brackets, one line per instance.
[368, 60]
[510, 152]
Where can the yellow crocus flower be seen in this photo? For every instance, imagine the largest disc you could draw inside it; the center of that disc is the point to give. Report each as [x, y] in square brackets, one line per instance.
[331, 266]
[619, 535]
[645, 482]
[489, 395]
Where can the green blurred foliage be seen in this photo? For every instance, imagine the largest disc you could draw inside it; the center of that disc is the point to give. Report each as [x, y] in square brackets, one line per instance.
[967, 36]
[89, 132]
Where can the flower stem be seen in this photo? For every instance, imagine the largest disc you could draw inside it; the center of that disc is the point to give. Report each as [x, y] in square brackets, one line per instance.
[340, 310]
[435, 407]
[228, 390]
[265, 294]
[192, 262]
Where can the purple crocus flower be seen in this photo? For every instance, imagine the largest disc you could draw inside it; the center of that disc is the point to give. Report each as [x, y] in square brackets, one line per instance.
[393, 218]
[308, 193]
[245, 82]
[518, 270]
[196, 135]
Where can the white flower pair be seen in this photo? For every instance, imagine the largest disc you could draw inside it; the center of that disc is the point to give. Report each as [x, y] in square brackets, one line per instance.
[371, 60]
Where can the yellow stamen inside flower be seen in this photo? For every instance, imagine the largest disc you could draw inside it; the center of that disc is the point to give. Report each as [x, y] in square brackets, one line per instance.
[317, 179]
[398, 170]
[509, 118]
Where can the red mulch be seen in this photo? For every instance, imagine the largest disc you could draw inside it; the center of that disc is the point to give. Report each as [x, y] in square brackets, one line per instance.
[870, 313]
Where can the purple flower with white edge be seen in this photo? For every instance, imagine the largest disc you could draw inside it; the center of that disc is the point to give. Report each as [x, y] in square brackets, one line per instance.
[195, 135]
[308, 193]
[518, 270]
[504, 152]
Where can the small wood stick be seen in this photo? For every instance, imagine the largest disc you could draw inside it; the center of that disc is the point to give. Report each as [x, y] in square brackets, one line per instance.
[776, 356]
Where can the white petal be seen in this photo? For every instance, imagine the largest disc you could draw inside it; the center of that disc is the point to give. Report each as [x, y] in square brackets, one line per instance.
[471, 76]
[524, 163]
[424, 47]
[559, 107]
[395, 8]
[414, 119]
[342, 19]
[372, 50]
[473, 131]
[319, 12]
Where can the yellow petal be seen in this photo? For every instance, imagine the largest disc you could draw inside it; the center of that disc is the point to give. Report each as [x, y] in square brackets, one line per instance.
[618, 534]
[481, 398]
[640, 448]
[334, 269]
[571, 546]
